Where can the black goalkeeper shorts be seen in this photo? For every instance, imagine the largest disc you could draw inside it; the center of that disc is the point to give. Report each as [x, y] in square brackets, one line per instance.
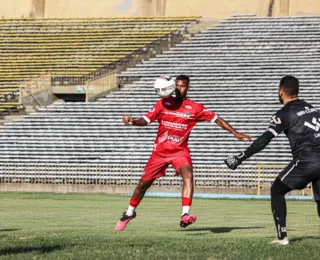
[298, 174]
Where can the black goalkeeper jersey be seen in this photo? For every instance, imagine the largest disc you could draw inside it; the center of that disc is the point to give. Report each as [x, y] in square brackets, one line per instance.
[300, 121]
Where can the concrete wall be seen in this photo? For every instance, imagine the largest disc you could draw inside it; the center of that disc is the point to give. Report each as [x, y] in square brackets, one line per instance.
[218, 9]
[304, 7]
[15, 8]
[91, 8]
[81, 188]
[41, 89]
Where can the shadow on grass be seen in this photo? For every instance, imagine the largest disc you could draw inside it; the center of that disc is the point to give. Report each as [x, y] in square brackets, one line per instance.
[217, 229]
[9, 229]
[298, 239]
[20, 250]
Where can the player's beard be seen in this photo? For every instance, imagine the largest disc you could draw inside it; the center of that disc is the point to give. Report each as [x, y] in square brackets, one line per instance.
[280, 98]
[178, 96]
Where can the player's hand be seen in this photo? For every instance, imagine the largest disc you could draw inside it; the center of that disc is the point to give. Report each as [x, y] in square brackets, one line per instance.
[127, 120]
[242, 137]
[234, 161]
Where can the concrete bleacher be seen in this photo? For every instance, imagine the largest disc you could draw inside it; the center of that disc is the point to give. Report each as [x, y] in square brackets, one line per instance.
[74, 50]
[235, 68]
[76, 47]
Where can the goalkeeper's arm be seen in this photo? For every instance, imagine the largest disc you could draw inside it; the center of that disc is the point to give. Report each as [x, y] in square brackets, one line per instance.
[259, 144]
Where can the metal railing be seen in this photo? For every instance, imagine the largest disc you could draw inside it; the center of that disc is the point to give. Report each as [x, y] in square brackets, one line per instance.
[250, 177]
[268, 172]
[205, 176]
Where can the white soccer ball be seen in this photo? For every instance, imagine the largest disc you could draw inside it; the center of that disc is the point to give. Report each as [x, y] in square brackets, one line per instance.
[164, 86]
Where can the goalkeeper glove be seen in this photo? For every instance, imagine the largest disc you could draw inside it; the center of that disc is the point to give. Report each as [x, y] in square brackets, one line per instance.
[234, 161]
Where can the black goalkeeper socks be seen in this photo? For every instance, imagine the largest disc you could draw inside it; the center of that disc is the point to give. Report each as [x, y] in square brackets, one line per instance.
[318, 206]
[279, 216]
[279, 207]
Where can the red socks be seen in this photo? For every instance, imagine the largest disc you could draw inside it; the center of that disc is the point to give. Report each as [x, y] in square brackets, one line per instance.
[186, 201]
[134, 203]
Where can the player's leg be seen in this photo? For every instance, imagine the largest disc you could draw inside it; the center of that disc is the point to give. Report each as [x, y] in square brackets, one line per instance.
[137, 196]
[279, 209]
[316, 193]
[186, 173]
[155, 168]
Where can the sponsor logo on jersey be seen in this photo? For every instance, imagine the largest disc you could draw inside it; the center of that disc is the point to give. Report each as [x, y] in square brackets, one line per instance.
[174, 139]
[315, 125]
[186, 115]
[307, 110]
[175, 126]
[163, 137]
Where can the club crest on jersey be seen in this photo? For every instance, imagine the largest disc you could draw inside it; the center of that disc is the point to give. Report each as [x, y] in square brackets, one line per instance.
[186, 114]
[188, 107]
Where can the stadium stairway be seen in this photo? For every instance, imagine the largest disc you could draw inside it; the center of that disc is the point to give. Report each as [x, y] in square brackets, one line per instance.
[235, 68]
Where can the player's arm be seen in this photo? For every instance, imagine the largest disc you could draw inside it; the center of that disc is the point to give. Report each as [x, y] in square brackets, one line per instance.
[225, 125]
[151, 116]
[128, 120]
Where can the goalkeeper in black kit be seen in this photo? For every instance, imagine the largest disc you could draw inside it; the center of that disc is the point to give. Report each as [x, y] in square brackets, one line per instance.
[300, 121]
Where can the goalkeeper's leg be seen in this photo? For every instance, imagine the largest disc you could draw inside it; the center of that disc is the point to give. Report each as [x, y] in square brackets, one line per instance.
[278, 206]
[316, 193]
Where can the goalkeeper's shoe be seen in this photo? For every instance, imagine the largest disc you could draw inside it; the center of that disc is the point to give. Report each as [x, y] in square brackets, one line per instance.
[283, 242]
[123, 221]
[187, 220]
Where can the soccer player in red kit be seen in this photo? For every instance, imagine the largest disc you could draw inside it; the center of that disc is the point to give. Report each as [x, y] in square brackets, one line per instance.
[176, 116]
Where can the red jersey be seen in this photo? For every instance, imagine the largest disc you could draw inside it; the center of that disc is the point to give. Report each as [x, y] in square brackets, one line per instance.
[176, 122]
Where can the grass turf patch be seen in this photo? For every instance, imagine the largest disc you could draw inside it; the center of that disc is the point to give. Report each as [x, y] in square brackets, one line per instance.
[80, 226]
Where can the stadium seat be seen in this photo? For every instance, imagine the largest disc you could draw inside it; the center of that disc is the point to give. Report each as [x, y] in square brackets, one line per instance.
[235, 68]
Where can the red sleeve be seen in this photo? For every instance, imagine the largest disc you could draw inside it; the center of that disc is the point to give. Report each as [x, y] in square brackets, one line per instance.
[154, 112]
[204, 114]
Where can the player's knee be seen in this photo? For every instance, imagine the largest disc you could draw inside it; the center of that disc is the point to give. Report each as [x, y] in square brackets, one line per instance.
[273, 190]
[186, 173]
[188, 176]
[143, 185]
[279, 188]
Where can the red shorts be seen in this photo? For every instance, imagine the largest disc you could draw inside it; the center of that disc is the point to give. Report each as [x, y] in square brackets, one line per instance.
[157, 164]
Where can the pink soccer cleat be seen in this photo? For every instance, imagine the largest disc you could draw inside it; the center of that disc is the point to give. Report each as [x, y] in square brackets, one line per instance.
[187, 220]
[123, 221]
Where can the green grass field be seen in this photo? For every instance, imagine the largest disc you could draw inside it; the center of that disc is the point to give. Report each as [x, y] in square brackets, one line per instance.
[80, 226]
